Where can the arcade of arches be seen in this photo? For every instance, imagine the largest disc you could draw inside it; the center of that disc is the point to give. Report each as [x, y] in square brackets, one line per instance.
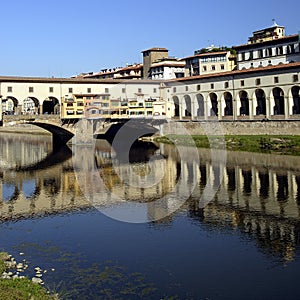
[247, 105]
[31, 105]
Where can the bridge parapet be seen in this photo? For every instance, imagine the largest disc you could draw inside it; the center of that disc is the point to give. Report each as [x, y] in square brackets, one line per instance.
[17, 118]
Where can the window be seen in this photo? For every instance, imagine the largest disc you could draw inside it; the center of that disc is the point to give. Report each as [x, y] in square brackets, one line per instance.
[123, 90]
[51, 89]
[154, 90]
[198, 87]
[212, 85]
[295, 77]
[9, 89]
[213, 67]
[70, 90]
[204, 68]
[222, 67]
[226, 85]
[186, 88]
[174, 89]
[106, 90]
[257, 81]
[89, 90]
[269, 51]
[31, 89]
[242, 82]
[139, 90]
[276, 79]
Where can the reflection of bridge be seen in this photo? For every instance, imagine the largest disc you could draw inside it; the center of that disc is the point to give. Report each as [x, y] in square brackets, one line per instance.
[259, 195]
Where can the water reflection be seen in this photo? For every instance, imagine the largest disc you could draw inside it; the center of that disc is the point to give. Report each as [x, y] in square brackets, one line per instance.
[259, 193]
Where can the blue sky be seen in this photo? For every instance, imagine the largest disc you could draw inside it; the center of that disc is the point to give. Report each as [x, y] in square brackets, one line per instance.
[62, 38]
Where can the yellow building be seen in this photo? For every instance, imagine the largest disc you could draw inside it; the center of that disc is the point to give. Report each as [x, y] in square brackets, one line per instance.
[207, 61]
[267, 34]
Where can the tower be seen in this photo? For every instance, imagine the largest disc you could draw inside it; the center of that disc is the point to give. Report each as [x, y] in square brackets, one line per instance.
[150, 56]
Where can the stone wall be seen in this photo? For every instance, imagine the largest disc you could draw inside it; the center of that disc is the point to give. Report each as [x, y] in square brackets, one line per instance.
[233, 128]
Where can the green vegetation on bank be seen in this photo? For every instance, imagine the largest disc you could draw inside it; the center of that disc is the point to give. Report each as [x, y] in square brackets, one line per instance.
[20, 288]
[280, 144]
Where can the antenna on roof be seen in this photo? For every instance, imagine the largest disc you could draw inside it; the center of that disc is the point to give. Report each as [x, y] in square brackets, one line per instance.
[274, 22]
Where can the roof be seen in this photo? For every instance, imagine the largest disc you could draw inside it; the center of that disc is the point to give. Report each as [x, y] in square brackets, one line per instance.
[212, 53]
[168, 64]
[293, 37]
[156, 49]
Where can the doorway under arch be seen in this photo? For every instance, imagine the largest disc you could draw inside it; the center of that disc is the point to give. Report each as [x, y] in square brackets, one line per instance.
[214, 104]
[296, 100]
[261, 102]
[176, 106]
[244, 109]
[200, 105]
[278, 95]
[228, 110]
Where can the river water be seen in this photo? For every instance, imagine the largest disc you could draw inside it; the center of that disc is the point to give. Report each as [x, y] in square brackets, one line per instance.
[157, 224]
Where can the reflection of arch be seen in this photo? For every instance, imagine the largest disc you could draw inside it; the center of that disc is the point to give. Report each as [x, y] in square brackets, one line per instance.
[228, 111]
[30, 105]
[200, 105]
[187, 106]
[296, 100]
[176, 106]
[10, 192]
[261, 102]
[214, 104]
[278, 101]
[30, 188]
[50, 105]
[244, 109]
[51, 186]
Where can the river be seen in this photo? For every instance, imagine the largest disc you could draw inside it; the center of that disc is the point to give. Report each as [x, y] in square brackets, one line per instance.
[157, 224]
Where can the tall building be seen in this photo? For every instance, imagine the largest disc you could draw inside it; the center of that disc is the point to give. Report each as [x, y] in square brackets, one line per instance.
[150, 56]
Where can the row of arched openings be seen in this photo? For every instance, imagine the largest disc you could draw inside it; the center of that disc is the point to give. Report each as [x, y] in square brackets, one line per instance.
[31, 105]
[244, 110]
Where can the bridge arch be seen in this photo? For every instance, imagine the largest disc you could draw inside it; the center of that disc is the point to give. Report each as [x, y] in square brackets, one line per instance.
[51, 106]
[30, 106]
[11, 106]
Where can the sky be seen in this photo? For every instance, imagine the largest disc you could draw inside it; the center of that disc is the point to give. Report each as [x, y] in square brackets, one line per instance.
[62, 38]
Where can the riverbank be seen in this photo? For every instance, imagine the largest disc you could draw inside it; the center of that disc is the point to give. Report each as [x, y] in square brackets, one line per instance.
[278, 144]
[13, 285]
